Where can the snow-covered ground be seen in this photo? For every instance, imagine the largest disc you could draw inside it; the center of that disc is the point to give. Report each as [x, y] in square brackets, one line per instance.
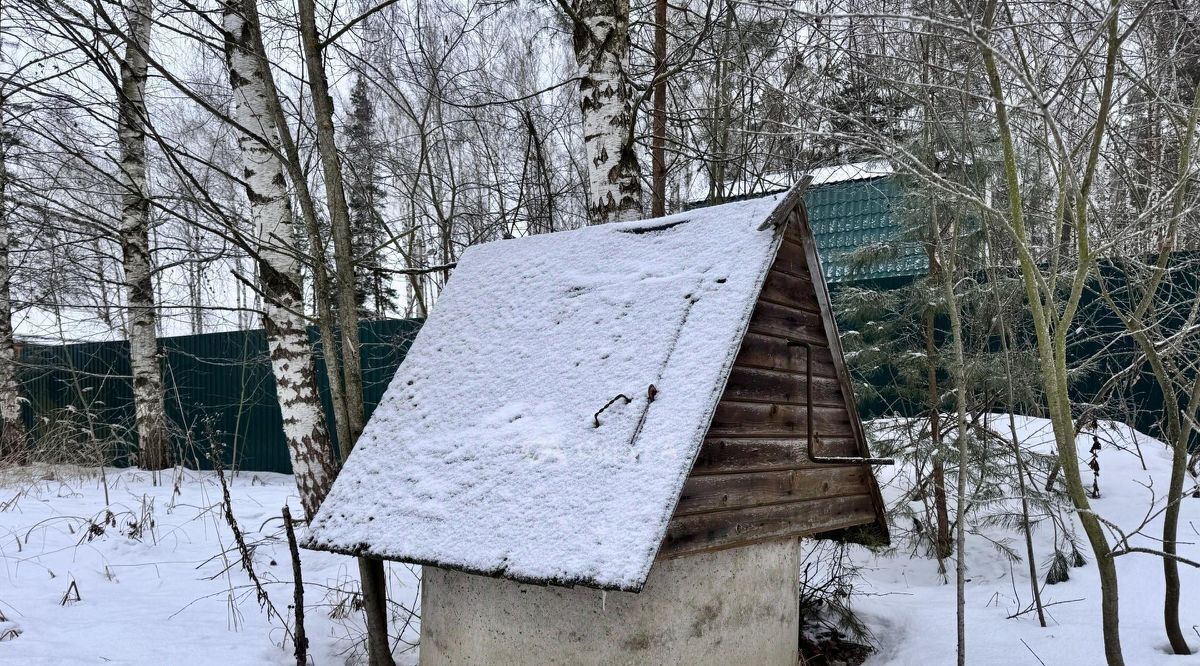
[911, 612]
[172, 591]
[175, 592]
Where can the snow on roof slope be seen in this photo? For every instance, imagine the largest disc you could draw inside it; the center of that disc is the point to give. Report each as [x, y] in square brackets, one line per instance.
[484, 454]
[697, 189]
[842, 173]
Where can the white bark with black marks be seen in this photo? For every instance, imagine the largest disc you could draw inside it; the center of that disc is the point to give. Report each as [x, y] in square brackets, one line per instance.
[279, 269]
[12, 428]
[606, 100]
[149, 407]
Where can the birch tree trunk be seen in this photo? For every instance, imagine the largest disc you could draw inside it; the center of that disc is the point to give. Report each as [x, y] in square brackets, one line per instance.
[12, 428]
[601, 42]
[279, 269]
[149, 406]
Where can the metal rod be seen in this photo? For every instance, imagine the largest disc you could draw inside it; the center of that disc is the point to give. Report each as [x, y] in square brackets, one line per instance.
[812, 434]
[596, 416]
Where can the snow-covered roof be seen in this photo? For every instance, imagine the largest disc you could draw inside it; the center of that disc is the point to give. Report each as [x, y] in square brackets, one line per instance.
[841, 173]
[485, 454]
[697, 189]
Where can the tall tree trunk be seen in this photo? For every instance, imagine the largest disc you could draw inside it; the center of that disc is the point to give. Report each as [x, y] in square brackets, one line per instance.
[12, 428]
[279, 270]
[1183, 427]
[321, 280]
[606, 102]
[339, 217]
[943, 546]
[960, 436]
[658, 149]
[149, 406]
[1051, 333]
[371, 571]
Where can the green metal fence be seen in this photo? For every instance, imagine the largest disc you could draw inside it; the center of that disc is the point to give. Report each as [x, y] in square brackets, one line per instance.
[219, 389]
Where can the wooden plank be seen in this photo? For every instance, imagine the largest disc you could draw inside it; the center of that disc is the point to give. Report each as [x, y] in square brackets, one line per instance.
[687, 535]
[791, 257]
[773, 419]
[702, 494]
[789, 208]
[770, 353]
[788, 322]
[722, 455]
[760, 385]
[761, 351]
[800, 230]
[790, 290]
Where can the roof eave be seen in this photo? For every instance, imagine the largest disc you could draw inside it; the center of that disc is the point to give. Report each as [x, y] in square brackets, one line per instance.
[362, 550]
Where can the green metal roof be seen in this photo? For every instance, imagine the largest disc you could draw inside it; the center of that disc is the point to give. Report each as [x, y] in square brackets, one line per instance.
[855, 214]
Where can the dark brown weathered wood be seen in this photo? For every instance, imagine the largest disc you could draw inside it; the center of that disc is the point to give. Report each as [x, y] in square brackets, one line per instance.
[790, 290]
[753, 419]
[787, 322]
[791, 259]
[754, 478]
[723, 455]
[801, 232]
[688, 535]
[774, 353]
[762, 385]
[702, 494]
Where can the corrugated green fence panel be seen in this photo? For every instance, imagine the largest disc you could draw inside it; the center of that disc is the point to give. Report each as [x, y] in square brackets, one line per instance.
[384, 342]
[219, 389]
[77, 393]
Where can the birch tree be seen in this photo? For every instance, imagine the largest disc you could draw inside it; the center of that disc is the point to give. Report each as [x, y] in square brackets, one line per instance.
[12, 428]
[304, 425]
[606, 102]
[149, 407]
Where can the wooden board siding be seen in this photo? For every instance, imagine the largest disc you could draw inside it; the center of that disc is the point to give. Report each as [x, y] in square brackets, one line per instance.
[727, 455]
[688, 535]
[752, 479]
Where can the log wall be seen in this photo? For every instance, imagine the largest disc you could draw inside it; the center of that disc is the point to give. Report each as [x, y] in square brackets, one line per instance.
[752, 479]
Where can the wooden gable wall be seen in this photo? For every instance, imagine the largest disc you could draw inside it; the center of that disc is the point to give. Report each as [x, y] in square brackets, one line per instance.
[753, 480]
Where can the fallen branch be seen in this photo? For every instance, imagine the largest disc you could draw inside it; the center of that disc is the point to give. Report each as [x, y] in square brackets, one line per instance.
[1035, 655]
[1032, 607]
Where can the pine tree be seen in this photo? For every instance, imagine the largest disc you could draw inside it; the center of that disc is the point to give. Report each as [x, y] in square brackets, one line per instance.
[373, 291]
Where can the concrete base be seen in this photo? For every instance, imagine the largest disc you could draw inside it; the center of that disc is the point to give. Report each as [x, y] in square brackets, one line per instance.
[736, 606]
